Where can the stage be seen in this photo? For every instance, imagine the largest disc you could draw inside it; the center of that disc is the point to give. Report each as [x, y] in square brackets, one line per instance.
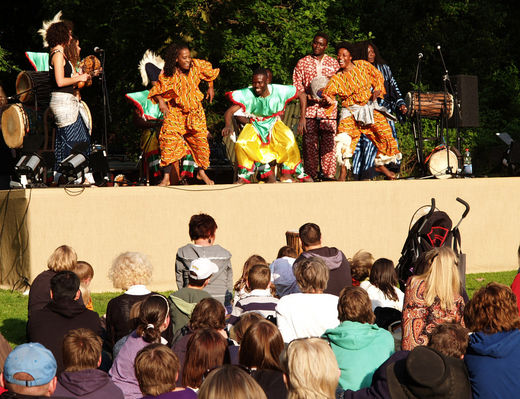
[99, 223]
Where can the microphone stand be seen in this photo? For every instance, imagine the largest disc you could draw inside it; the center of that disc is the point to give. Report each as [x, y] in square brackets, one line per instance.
[417, 126]
[106, 105]
[444, 114]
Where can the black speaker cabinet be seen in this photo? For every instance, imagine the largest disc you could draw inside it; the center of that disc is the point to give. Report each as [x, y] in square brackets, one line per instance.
[465, 113]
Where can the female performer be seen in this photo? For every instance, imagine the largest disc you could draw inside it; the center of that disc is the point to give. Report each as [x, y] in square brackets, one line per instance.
[184, 132]
[358, 85]
[70, 116]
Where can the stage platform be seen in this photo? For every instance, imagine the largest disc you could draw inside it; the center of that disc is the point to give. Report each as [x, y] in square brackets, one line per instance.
[100, 223]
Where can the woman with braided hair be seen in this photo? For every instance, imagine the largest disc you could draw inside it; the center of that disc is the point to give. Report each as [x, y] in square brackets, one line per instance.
[184, 133]
[154, 318]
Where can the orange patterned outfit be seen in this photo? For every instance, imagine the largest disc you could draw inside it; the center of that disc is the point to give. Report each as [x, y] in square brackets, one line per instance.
[354, 88]
[184, 130]
[419, 319]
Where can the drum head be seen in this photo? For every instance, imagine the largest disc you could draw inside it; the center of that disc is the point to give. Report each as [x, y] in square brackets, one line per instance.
[438, 164]
[88, 116]
[13, 126]
[317, 85]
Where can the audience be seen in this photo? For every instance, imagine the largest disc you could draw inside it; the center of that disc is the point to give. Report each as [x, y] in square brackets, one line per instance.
[236, 333]
[63, 258]
[334, 259]
[240, 286]
[29, 371]
[493, 353]
[357, 337]
[230, 382]
[206, 350]
[81, 359]
[202, 230]
[184, 300]
[156, 369]
[360, 266]
[311, 312]
[282, 274]
[154, 318]
[383, 286]
[259, 298]
[131, 272]
[432, 298]
[85, 272]
[63, 313]
[260, 351]
[310, 369]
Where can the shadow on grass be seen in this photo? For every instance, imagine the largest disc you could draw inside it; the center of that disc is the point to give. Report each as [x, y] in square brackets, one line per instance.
[14, 331]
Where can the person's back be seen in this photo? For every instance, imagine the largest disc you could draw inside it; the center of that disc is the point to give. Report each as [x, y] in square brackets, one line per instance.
[81, 378]
[65, 312]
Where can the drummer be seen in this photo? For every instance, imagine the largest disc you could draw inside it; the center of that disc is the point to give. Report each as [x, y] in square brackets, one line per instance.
[310, 74]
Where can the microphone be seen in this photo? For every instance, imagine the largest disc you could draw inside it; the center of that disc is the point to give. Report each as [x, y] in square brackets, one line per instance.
[420, 55]
[98, 50]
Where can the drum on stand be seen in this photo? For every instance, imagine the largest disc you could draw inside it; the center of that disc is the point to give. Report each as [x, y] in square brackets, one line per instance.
[22, 126]
[34, 87]
[292, 238]
[432, 104]
[438, 162]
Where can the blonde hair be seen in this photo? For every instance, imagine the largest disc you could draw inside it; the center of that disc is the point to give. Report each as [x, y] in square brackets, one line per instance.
[130, 268]
[84, 270]
[230, 382]
[312, 369]
[312, 275]
[442, 278]
[85, 293]
[63, 258]
[360, 264]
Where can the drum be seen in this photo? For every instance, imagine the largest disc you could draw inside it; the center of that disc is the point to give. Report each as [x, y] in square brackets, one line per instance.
[438, 162]
[432, 104]
[86, 115]
[317, 86]
[34, 86]
[293, 240]
[22, 126]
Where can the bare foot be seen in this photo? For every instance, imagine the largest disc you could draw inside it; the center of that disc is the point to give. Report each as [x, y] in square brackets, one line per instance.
[384, 170]
[271, 178]
[286, 179]
[165, 182]
[201, 175]
[241, 181]
[342, 173]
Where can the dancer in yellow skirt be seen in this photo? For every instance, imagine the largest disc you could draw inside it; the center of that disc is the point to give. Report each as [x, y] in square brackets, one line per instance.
[266, 138]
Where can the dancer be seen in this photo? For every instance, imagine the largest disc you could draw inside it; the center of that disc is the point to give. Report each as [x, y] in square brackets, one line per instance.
[358, 84]
[266, 138]
[311, 74]
[184, 132]
[363, 160]
[73, 126]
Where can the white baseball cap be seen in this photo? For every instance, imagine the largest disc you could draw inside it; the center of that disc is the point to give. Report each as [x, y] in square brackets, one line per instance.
[202, 268]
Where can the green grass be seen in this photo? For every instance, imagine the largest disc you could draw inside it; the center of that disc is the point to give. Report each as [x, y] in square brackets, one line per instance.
[13, 305]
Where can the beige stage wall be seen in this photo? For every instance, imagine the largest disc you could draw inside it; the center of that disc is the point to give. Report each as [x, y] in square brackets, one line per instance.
[100, 223]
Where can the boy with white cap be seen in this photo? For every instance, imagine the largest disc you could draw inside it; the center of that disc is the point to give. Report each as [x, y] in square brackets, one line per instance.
[185, 299]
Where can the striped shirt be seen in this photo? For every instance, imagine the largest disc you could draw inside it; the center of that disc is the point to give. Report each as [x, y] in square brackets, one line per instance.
[260, 301]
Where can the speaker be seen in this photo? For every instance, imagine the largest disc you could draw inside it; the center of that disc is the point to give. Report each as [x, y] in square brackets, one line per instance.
[465, 113]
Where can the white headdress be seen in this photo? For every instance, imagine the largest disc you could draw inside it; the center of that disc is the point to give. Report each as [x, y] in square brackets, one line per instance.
[152, 58]
[45, 26]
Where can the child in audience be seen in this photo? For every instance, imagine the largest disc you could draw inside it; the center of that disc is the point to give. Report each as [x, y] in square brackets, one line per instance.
[282, 274]
[85, 272]
[259, 298]
[230, 382]
[240, 286]
[360, 266]
[382, 287]
[156, 369]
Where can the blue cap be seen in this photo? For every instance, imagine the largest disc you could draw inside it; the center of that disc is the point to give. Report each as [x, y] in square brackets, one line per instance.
[33, 359]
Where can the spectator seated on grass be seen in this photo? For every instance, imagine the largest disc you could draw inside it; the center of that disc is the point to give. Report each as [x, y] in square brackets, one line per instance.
[259, 298]
[63, 258]
[185, 299]
[63, 313]
[85, 272]
[81, 378]
[360, 266]
[240, 286]
[335, 260]
[311, 312]
[230, 382]
[29, 371]
[157, 369]
[282, 274]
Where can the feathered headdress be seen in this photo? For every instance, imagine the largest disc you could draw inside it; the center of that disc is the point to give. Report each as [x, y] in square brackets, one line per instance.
[45, 26]
[150, 57]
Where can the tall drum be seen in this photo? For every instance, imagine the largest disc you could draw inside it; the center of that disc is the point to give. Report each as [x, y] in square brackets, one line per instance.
[34, 86]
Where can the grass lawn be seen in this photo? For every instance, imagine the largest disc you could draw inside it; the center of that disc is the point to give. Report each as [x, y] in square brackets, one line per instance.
[13, 305]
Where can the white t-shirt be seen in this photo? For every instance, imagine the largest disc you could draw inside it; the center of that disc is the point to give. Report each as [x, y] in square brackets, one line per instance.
[378, 298]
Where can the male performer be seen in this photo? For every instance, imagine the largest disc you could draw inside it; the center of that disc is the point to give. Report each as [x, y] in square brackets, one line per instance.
[311, 74]
[266, 138]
